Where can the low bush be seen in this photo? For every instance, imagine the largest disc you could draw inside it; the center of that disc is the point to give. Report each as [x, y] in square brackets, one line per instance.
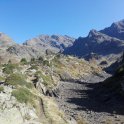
[47, 79]
[2, 79]
[1, 89]
[23, 61]
[46, 62]
[34, 67]
[9, 68]
[57, 63]
[40, 59]
[33, 60]
[16, 79]
[23, 95]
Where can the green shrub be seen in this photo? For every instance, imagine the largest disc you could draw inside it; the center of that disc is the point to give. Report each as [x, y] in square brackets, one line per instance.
[57, 63]
[29, 85]
[2, 78]
[9, 62]
[8, 68]
[23, 95]
[38, 73]
[16, 79]
[47, 80]
[40, 59]
[46, 62]
[34, 67]
[23, 61]
[1, 89]
[33, 60]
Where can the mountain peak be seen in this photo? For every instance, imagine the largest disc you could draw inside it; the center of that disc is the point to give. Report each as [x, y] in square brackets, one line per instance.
[93, 33]
[115, 30]
[119, 25]
[5, 40]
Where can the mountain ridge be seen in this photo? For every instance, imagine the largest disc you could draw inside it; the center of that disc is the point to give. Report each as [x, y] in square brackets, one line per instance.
[99, 42]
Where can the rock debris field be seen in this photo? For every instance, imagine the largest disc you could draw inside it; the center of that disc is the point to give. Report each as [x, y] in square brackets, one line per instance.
[79, 100]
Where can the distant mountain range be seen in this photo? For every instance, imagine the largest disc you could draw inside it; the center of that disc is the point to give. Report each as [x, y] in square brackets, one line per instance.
[55, 43]
[102, 43]
[34, 47]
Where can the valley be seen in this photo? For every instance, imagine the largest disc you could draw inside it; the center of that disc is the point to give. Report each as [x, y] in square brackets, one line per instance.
[55, 79]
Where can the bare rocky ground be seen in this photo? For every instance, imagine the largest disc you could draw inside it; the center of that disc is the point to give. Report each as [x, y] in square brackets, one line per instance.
[79, 100]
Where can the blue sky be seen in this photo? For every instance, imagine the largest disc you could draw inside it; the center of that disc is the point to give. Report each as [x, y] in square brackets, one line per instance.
[24, 19]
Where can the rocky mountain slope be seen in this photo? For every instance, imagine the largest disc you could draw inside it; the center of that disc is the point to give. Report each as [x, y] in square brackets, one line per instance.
[115, 30]
[114, 66]
[34, 48]
[94, 100]
[95, 42]
[5, 40]
[38, 85]
[28, 90]
[55, 43]
[103, 46]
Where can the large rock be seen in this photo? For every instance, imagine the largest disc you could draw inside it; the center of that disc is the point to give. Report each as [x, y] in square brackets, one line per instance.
[13, 112]
[11, 116]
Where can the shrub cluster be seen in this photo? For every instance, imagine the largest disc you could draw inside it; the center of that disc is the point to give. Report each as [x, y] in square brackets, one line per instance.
[8, 68]
[1, 89]
[23, 95]
[16, 79]
[23, 61]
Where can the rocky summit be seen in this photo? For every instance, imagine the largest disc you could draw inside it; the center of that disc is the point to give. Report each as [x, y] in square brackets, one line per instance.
[55, 79]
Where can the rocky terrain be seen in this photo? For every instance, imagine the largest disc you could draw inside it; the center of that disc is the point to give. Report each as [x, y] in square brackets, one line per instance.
[29, 88]
[33, 48]
[115, 30]
[59, 80]
[88, 101]
[55, 43]
[107, 44]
